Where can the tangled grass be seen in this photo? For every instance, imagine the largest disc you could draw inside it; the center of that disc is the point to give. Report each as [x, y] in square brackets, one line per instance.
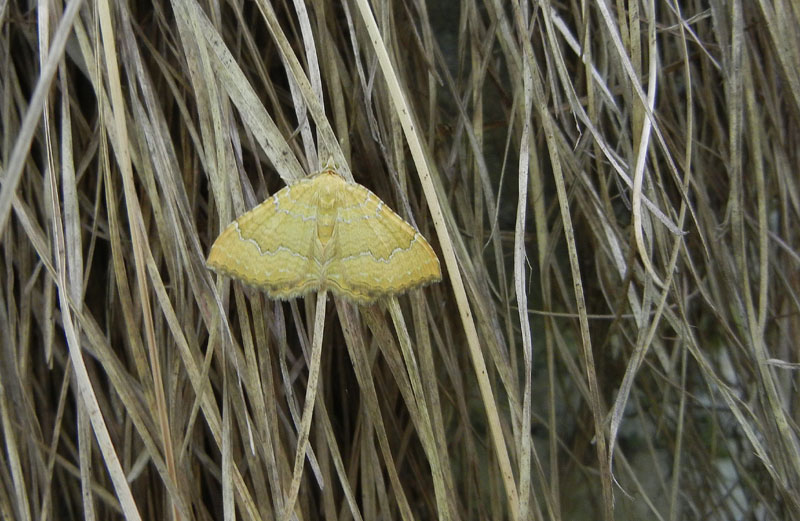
[610, 187]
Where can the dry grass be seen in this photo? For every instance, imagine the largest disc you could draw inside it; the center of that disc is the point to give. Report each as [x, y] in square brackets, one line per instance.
[610, 186]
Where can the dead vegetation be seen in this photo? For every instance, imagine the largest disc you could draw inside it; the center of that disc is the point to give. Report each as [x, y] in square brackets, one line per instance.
[610, 187]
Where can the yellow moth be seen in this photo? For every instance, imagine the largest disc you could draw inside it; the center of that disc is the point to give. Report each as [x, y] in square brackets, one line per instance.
[325, 233]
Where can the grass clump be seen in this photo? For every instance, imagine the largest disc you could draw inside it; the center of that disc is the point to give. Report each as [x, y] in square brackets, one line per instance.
[610, 190]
